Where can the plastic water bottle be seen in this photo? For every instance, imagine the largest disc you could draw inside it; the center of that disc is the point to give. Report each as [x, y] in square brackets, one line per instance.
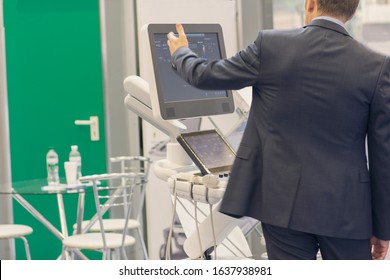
[52, 167]
[74, 155]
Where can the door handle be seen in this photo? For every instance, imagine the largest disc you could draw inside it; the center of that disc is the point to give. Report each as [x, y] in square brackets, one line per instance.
[93, 122]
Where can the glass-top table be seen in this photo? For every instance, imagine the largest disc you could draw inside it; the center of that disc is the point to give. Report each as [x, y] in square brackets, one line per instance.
[40, 187]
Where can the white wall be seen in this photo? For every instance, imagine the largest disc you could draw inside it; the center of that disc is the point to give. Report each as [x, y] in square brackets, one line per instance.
[378, 13]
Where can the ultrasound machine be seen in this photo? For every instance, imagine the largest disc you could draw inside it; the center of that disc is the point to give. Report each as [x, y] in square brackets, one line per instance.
[198, 164]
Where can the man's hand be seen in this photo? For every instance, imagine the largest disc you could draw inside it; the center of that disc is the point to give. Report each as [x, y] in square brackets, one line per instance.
[379, 248]
[177, 42]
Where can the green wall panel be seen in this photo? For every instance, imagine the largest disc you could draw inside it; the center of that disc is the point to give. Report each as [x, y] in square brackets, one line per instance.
[54, 73]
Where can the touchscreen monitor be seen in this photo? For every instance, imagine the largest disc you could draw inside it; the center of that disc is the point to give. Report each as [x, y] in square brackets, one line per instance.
[208, 150]
[176, 98]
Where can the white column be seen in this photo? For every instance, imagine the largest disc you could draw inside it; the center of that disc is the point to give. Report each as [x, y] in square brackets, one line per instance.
[7, 250]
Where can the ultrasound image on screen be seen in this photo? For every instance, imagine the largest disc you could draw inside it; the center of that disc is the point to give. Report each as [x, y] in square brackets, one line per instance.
[174, 88]
[211, 150]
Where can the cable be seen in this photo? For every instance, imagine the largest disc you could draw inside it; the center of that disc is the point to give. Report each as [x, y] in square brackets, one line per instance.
[169, 241]
[185, 209]
[235, 246]
[197, 229]
[213, 230]
[223, 243]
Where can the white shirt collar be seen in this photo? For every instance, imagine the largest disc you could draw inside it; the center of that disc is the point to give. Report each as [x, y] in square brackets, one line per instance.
[335, 20]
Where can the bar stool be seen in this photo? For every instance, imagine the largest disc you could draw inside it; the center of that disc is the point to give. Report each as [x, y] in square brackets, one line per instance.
[12, 231]
[139, 166]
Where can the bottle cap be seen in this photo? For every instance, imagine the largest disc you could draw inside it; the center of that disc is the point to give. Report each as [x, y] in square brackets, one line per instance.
[74, 147]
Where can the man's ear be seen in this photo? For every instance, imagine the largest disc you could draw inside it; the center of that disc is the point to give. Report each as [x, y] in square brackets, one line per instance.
[311, 5]
[311, 10]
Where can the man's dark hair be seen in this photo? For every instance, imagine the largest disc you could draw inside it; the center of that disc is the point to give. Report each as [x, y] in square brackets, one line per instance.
[340, 8]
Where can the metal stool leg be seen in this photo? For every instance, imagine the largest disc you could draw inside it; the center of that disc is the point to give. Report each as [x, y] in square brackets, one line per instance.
[26, 247]
[141, 239]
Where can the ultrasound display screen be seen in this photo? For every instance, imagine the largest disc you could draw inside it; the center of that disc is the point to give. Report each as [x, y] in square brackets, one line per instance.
[175, 98]
[174, 88]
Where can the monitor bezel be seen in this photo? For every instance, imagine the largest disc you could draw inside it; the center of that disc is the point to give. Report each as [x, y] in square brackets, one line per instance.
[188, 108]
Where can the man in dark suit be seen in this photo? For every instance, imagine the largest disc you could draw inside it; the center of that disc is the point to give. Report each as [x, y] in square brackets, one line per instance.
[301, 168]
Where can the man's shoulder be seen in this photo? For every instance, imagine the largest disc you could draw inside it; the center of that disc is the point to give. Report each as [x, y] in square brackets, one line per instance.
[276, 35]
[368, 51]
[282, 32]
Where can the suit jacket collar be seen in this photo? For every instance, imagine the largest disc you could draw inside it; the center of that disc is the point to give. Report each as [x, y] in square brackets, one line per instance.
[328, 25]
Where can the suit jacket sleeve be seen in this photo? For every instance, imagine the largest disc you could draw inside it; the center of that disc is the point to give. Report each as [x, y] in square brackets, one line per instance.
[237, 72]
[379, 154]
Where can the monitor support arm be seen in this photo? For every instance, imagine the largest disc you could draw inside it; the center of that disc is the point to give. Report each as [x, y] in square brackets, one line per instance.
[138, 101]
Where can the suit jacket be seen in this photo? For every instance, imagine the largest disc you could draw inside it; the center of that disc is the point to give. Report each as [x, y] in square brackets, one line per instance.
[317, 94]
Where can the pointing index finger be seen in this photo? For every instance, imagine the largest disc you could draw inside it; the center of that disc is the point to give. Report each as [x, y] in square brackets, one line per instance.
[180, 30]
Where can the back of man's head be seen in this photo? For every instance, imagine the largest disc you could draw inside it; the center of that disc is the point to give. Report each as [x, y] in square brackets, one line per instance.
[339, 8]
